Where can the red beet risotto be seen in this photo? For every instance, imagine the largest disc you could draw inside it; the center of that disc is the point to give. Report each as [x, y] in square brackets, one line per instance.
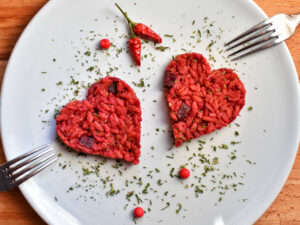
[107, 123]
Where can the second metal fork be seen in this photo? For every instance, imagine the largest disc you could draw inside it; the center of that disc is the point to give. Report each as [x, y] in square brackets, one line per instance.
[20, 169]
[264, 35]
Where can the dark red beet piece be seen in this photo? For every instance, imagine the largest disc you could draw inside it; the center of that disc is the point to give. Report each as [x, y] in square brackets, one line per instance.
[113, 88]
[169, 79]
[87, 141]
[183, 112]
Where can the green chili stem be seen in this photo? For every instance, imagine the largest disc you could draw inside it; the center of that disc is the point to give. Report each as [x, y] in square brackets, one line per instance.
[131, 31]
[125, 14]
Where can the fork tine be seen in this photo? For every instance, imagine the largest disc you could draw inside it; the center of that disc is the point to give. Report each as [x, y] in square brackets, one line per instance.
[251, 30]
[20, 181]
[26, 162]
[260, 41]
[16, 175]
[267, 45]
[252, 37]
[24, 155]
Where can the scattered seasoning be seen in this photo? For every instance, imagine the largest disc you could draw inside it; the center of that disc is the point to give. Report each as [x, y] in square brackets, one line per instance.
[215, 161]
[248, 161]
[199, 33]
[168, 204]
[43, 72]
[236, 133]
[161, 48]
[168, 35]
[43, 89]
[129, 194]
[223, 146]
[250, 108]
[179, 208]
[90, 69]
[140, 84]
[171, 172]
[59, 83]
[86, 171]
[138, 199]
[210, 44]
[88, 53]
[159, 182]
[112, 191]
[145, 191]
[198, 191]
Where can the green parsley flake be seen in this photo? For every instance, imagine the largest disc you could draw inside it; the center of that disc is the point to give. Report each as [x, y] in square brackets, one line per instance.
[162, 48]
[171, 172]
[90, 68]
[168, 204]
[141, 84]
[139, 200]
[129, 194]
[88, 53]
[86, 171]
[159, 182]
[179, 208]
[224, 146]
[145, 191]
[215, 161]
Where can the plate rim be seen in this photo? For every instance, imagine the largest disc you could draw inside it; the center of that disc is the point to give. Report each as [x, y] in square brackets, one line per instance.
[251, 218]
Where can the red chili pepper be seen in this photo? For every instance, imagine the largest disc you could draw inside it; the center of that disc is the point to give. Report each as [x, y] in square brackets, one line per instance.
[145, 32]
[141, 30]
[135, 47]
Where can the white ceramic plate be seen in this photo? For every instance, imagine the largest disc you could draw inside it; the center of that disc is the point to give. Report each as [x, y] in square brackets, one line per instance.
[65, 30]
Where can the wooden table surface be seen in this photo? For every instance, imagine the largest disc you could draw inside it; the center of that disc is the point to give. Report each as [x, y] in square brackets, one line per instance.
[15, 15]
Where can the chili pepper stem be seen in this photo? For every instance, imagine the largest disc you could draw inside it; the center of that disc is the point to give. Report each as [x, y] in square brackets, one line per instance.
[125, 14]
[132, 34]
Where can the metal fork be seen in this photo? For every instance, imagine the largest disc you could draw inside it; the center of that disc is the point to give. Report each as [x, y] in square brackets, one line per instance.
[264, 35]
[20, 169]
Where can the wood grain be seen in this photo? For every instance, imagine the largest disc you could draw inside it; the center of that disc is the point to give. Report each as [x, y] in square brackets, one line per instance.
[15, 15]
